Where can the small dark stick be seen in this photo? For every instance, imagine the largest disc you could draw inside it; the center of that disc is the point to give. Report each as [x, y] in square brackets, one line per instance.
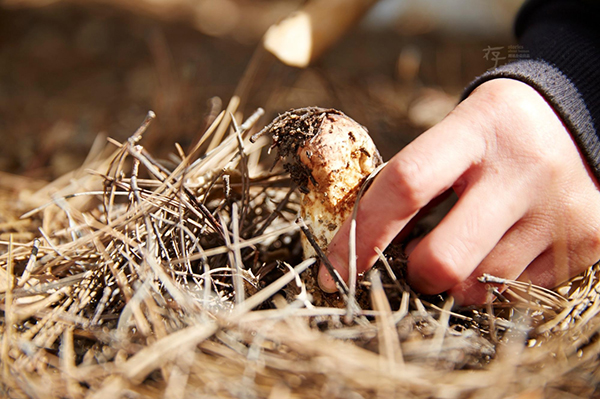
[339, 282]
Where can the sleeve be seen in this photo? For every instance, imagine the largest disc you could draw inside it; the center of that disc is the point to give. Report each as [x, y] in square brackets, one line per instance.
[562, 38]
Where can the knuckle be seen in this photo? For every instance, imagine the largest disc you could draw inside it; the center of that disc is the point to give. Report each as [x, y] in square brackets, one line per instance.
[588, 245]
[444, 265]
[447, 267]
[594, 246]
[409, 183]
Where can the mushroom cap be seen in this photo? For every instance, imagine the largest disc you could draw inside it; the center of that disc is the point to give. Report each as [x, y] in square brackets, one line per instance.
[328, 155]
[339, 158]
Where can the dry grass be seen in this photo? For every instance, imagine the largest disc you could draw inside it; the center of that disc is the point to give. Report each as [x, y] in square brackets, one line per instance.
[181, 279]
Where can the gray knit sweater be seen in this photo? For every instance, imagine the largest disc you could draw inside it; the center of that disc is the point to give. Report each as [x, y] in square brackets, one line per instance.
[562, 38]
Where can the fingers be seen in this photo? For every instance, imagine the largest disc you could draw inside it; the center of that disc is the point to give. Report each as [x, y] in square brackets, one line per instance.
[524, 191]
[575, 246]
[423, 170]
[541, 249]
[519, 247]
[546, 270]
[453, 250]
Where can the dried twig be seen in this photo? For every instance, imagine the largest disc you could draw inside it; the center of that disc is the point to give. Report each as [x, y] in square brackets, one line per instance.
[180, 283]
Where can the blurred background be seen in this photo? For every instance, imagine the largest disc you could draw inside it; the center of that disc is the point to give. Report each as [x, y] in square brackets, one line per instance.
[73, 70]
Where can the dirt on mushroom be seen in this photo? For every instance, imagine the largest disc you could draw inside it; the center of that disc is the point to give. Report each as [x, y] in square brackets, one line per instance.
[328, 155]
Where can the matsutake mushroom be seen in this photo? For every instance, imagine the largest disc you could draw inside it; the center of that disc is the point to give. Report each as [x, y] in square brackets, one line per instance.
[328, 155]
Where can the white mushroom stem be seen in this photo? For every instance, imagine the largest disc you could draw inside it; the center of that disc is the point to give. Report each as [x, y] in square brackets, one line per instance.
[340, 157]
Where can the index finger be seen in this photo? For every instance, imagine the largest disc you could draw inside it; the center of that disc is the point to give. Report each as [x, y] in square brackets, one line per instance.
[425, 168]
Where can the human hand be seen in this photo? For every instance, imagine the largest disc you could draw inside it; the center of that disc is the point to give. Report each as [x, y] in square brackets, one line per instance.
[528, 208]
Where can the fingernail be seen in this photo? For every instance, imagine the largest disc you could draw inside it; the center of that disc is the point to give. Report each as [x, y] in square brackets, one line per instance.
[326, 281]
